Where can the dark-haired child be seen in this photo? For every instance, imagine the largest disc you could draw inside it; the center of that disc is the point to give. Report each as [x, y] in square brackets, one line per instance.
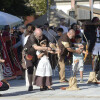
[78, 62]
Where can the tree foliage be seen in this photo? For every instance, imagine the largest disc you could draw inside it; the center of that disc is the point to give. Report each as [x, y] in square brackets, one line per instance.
[16, 7]
[40, 6]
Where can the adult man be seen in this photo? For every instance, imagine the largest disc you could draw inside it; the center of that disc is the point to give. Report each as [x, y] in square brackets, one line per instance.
[65, 46]
[62, 25]
[49, 33]
[33, 44]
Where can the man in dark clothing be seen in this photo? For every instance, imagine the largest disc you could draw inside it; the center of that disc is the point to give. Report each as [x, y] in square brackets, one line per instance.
[65, 47]
[33, 44]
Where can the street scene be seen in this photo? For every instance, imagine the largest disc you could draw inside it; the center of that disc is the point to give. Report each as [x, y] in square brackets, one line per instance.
[18, 90]
[49, 49]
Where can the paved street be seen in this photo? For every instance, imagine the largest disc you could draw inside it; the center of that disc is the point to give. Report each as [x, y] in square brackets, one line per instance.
[18, 90]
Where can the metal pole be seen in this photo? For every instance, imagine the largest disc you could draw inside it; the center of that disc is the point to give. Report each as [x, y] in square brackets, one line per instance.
[47, 11]
[91, 5]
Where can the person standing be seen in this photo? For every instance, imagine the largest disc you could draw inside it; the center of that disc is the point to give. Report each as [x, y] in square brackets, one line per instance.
[43, 76]
[78, 59]
[49, 33]
[63, 25]
[65, 45]
[32, 45]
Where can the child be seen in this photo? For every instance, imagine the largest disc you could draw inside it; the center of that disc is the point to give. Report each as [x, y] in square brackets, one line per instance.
[78, 63]
[59, 33]
[43, 76]
[3, 83]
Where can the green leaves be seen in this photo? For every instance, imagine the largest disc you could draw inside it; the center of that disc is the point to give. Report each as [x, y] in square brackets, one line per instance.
[40, 6]
[16, 7]
[24, 7]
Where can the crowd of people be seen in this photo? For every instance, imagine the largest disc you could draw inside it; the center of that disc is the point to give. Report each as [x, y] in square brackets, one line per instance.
[43, 48]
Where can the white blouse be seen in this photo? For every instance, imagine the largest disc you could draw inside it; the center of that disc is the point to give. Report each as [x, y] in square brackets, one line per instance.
[24, 39]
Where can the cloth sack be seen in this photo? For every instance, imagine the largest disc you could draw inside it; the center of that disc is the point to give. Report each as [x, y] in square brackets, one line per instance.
[72, 84]
[92, 78]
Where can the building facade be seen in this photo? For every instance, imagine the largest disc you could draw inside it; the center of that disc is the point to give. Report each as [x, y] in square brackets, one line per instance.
[81, 13]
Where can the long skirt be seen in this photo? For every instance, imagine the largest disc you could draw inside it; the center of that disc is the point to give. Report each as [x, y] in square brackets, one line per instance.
[43, 81]
[43, 76]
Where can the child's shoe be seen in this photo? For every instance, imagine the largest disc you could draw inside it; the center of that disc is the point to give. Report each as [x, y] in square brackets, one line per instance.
[81, 81]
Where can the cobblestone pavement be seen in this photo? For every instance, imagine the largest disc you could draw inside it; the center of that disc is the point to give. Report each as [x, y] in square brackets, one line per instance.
[18, 90]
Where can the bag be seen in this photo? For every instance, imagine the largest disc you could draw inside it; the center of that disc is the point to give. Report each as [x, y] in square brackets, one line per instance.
[92, 78]
[72, 84]
[29, 52]
[29, 57]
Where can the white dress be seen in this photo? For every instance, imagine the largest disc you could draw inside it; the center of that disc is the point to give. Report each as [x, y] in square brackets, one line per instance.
[44, 66]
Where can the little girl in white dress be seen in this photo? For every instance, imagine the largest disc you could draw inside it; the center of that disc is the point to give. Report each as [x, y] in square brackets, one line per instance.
[43, 76]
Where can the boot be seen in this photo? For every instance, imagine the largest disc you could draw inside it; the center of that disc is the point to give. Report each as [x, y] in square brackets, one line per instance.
[30, 79]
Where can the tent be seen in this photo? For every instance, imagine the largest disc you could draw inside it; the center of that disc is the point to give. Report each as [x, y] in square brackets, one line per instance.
[8, 19]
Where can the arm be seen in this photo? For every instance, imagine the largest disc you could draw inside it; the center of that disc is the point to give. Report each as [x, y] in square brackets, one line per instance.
[40, 55]
[74, 51]
[39, 48]
[67, 46]
[17, 44]
[2, 60]
[78, 45]
[52, 52]
[84, 52]
[71, 50]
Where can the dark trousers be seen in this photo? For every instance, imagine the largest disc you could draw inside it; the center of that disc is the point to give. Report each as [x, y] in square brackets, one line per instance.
[30, 66]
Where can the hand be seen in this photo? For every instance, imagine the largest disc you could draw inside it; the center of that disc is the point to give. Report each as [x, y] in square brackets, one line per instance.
[81, 46]
[86, 53]
[49, 49]
[76, 61]
[2, 60]
[51, 52]
[78, 51]
[58, 51]
[68, 54]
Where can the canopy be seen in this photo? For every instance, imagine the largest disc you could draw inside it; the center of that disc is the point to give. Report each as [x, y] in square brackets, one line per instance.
[8, 19]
